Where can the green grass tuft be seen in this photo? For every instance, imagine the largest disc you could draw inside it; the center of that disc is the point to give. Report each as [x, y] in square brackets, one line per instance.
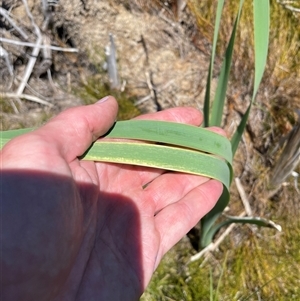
[248, 266]
[95, 88]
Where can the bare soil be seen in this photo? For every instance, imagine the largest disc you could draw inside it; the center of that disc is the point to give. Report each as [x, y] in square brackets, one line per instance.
[155, 50]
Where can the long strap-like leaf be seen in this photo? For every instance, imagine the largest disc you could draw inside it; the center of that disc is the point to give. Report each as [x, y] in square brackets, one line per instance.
[261, 11]
[206, 107]
[159, 156]
[180, 147]
[261, 41]
[219, 100]
[209, 219]
[175, 134]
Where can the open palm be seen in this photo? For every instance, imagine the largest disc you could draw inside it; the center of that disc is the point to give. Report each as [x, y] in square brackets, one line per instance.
[78, 230]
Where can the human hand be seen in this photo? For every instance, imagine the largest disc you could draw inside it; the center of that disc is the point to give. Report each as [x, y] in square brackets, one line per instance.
[79, 230]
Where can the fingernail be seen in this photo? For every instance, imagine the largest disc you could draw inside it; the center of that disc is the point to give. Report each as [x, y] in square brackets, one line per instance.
[103, 99]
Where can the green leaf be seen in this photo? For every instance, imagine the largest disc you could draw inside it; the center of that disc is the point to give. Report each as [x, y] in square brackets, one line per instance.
[159, 156]
[261, 42]
[206, 107]
[194, 150]
[240, 220]
[210, 218]
[179, 134]
[218, 103]
[261, 10]
[5, 136]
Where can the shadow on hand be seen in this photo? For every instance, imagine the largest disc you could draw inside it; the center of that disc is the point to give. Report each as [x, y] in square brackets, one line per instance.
[62, 240]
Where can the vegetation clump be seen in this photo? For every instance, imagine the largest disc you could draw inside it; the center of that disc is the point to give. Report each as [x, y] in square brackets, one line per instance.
[95, 88]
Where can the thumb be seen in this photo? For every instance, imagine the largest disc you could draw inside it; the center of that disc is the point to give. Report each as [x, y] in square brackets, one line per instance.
[75, 129]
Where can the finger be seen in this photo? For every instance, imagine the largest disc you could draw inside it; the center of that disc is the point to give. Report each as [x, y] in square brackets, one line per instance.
[171, 187]
[74, 130]
[217, 130]
[186, 115]
[174, 221]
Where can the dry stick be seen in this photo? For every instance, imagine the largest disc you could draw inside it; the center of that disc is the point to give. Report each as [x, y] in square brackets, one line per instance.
[47, 13]
[5, 14]
[47, 58]
[181, 4]
[143, 42]
[142, 100]
[149, 96]
[34, 54]
[29, 67]
[153, 92]
[16, 111]
[28, 97]
[293, 9]
[36, 93]
[111, 59]
[214, 245]
[159, 90]
[243, 196]
[10, 68]
[55, 48]
[4, 54]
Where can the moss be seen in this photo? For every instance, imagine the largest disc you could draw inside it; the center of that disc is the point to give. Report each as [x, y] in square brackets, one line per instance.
[95, 88]
[5, 106]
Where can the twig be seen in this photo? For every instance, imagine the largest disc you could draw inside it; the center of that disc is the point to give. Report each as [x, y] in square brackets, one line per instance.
[10, 68]
[52, 82]
[214, 245]
[13, 105]
[34, 54]
[181, 4]
[47, 57]
[293, 9]
[30, 16]
[158, 90]
[47, 13]
[286, 4]
[153, 92]
[142, 100]
[243, 196]
[111, 59]
[28, 97]
[143, 42]
[170, 22]
[5, 14]
[4, 54]
[55, 48]
[29, 67]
